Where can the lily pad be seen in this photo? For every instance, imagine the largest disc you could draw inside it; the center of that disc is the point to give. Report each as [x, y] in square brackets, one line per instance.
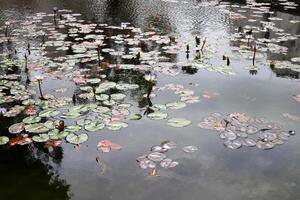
[157, 115]
[31, 119]
[3, 140]
[16, 128]
[178, 122]
[77, 139]
[94, 126]
[41, 138]
[114, 126]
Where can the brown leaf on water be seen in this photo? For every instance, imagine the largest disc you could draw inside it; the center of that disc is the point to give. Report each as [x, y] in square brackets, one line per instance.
[20, 140]
[106, 145]
[153, 173]
[53, 143]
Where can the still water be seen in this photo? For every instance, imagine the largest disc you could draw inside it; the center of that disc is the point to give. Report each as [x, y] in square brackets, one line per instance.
[213, 172]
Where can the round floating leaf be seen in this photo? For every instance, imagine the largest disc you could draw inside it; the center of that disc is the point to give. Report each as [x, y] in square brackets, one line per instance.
[55, 134]
[77, 139]
[93, 80]
[190, 149]
[168, 163]
[41, 138]
[176, 105]
[94, 126]
[36, 128]
[135, 117]
[16, 128]
[74, 128]
[71, 115]
[31, 119]
[117, 96]
[156, 156]
[116, 125]
[3, 140]
[178, 122]
[101, 109]
[233, 144]
[157, 115]
[49, 113]
[102, 97]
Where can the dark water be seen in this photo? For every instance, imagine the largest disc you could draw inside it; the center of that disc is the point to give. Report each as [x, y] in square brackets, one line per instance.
[214, 172]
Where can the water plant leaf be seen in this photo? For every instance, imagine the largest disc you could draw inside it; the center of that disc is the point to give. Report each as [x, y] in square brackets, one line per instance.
[41, 138]
[178, 122]
[157, 115]
[77, 139]
[16, 128]
[4, 140]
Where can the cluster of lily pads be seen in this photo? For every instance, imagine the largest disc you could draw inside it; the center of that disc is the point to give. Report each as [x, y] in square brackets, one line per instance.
[239, 129]
[158, 159]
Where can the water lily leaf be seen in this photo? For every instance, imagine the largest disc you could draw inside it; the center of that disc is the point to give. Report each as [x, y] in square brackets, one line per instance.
[41, 138]
[102, 97]
[168, 163]
[157, 115]
[156, 156]
[49, 113]
[176, 105]
[190, 149]
[31, 119]
[94, 126]
[117, 96]
[101, 109]
[93, 80]
[36, 128]
[3, 140]
[73, 128]
[70, 115]
[178, 122]
[16, 128]
[114, 125]
[55, 134]
[77, 139]
[135, 117]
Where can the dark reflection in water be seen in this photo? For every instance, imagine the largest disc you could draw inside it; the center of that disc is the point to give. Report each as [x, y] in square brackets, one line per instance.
[31, 173]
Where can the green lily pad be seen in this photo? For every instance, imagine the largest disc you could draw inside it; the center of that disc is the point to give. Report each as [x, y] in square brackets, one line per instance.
[31, 119]
[55, 134]
[101, 109]
[178, 122]
[70, 115]
[36, 128]
[118, 96]
[3, 140]
[41, 138]
[48, 113]
[16, 128]
[94, 126]
[74, 128]
[102, 97]
[176, 105]
[114, 126]
[77, 139]
[135, 117]
[157, 115]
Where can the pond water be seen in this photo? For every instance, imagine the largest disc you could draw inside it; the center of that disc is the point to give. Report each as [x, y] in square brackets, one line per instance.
[218, 94]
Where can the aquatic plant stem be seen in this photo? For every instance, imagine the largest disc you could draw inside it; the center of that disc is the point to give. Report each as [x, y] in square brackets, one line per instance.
[254, 53]
[98, 51]
[40, 89]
